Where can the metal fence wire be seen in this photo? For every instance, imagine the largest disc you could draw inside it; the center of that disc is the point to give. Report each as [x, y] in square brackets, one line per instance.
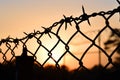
[37, 41]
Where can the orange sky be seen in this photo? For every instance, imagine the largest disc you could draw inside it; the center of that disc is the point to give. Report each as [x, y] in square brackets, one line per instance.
[21, 16]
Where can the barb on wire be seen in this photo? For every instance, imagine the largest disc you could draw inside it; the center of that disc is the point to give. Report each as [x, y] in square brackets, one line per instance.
[73, 22]
[85, 16]
[16, 41]
[47, 31]
[67, 20]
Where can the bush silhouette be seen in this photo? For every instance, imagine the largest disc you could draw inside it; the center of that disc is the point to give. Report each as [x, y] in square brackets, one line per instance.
[50, 72]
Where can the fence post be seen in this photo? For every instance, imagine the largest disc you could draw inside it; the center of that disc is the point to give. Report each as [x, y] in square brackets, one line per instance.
[24, 66]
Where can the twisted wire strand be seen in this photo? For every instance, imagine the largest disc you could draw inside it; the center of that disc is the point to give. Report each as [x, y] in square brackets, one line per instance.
[48, 31]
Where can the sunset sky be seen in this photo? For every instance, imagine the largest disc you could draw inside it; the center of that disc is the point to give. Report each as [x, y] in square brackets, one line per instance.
[18, 16]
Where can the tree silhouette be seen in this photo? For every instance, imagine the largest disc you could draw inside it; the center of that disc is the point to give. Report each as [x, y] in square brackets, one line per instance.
[114, 41]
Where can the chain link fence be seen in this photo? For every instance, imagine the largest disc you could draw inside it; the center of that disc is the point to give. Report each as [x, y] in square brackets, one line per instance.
[58, 40]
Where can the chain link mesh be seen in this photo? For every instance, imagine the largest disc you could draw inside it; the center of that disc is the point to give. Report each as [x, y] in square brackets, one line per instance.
[37, 42]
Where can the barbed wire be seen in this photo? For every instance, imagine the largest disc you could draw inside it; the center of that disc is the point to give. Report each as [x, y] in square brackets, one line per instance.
[12, 43]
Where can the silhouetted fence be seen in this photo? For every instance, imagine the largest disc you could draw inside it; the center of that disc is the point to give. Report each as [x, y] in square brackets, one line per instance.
[43, 46]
